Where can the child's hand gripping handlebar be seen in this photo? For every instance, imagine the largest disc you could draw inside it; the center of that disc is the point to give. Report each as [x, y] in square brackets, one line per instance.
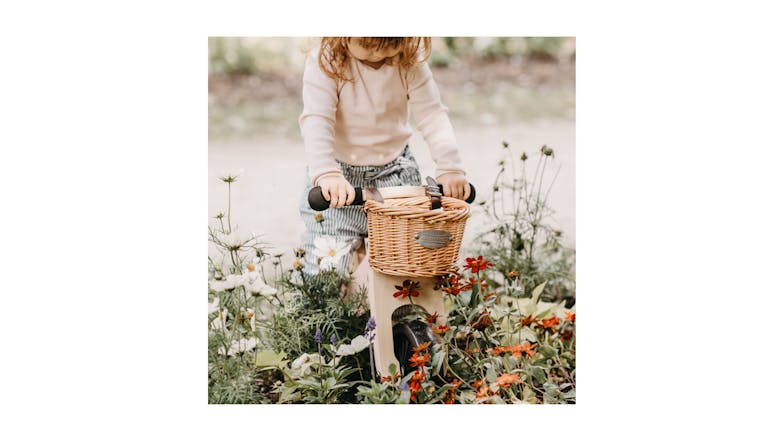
[318, 203]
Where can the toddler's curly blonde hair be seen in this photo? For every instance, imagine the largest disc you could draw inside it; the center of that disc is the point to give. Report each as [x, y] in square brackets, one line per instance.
[334, 57]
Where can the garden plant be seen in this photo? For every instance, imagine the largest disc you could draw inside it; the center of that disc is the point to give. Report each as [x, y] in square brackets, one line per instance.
[509, 337]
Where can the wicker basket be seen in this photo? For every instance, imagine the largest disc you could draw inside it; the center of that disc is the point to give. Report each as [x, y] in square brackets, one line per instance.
[395, 230]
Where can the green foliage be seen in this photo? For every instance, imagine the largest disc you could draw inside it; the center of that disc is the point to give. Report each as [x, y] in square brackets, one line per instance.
[526, 250]
[321, 383]
[503, 349]
[317, 302]
[504, 339]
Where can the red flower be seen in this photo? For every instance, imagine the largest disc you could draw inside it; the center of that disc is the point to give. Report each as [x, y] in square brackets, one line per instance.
[453, 285]
[476, 265]
[449, 398]
[516, 350]
[527, 321]
[431, 318]
[549, 323]
[415, 382]
[472, 281]
[409, 288]
[418, 376]
[571, 316]
[419, 360]
[481, 322]
[508, 380]
[422, 347]
[442, 329]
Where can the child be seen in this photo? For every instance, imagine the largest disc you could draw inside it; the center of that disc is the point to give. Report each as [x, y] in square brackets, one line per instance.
[357, 92]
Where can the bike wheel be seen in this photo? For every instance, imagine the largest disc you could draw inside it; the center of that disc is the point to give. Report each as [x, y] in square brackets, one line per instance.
[406, 336]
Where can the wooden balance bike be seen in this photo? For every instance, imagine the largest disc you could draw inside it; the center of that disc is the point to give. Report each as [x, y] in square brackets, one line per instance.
[414, 237]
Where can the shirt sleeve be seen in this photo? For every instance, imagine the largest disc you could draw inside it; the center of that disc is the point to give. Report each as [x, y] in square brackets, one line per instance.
[431, 119]
[317, 121]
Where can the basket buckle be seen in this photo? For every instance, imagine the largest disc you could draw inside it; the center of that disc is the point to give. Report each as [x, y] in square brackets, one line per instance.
[431, 189]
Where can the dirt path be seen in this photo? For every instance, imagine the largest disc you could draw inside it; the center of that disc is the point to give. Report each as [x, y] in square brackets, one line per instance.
[265, 198]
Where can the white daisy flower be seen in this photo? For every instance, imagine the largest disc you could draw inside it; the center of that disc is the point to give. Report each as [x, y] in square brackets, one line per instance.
[255, 285]
[330, 250]
[243, 345]
[232, 241]
[358, 344]
[302, 365]
[232, 281]
[214, 306]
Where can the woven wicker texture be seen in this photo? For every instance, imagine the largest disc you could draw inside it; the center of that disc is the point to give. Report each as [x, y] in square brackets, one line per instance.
[393, 224]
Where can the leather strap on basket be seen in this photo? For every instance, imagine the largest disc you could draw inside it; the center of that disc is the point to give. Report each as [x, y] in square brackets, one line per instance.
[431, 189]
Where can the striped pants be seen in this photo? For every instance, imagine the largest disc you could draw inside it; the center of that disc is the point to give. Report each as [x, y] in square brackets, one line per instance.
[348, 225]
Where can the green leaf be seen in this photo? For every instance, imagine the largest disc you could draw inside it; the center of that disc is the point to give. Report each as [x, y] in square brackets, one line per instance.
[269, 357]
[438, 359]
[405, 397]
[547, 351]
[490, 374]
[465, 297]
[527, 334]
[537, 292]
[539, 374]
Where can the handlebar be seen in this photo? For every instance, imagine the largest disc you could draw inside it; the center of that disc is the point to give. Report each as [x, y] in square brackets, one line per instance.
[318, 203]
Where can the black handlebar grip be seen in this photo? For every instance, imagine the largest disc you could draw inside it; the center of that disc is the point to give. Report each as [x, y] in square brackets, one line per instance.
[317, 202]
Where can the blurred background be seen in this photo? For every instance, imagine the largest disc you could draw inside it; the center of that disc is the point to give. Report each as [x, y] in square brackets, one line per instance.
[519, 90]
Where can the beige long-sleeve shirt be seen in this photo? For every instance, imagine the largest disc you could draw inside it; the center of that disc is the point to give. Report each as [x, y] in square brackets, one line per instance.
[365, 122]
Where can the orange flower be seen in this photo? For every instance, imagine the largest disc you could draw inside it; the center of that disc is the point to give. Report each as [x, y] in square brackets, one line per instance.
[418, 376]
[449, 398]
[419, 360]
[528, 348]
[442, 329]
[476, 265]
[473, 281]
[422, 347]
[571, 316]
[452, 285]
[508, 380]
[483, 392]
[409, 288]
[431, 318]
[549, 323]
[512, 274]
[386, 379]
[528, 320]
[415, 387]
[451, 290]
[516, 350]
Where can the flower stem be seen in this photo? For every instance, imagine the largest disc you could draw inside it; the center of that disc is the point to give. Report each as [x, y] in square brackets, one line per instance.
[229, 211]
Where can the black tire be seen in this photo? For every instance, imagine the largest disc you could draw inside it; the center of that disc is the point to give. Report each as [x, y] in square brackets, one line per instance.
[406, 336]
